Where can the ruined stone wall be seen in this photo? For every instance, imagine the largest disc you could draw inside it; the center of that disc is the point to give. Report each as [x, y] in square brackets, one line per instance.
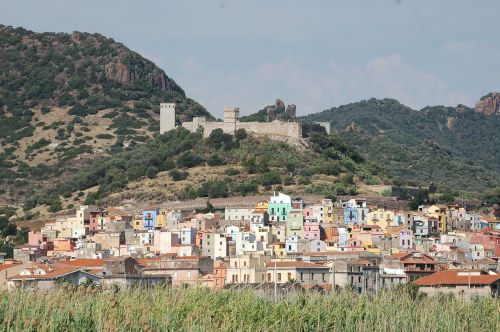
[277, 128]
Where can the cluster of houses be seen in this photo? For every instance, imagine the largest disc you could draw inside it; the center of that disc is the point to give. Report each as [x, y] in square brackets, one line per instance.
[353, 242]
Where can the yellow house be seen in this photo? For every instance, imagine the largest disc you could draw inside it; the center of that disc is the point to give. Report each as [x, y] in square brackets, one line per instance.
[381, 217]
[138, 223]
[162, 217]
[261, 206]
[327, 211]
[279, 249]
[440, 212]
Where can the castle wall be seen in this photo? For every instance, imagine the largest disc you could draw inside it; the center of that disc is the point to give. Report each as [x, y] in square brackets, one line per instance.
[278, 128]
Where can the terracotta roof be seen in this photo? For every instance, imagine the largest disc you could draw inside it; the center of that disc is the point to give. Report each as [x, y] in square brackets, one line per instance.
[56, 272]
[6, 266]
[451, 277]
[293, 264]
[360, 261]
[84, 262]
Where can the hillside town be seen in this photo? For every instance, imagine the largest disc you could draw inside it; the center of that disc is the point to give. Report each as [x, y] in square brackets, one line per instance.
[364, 244]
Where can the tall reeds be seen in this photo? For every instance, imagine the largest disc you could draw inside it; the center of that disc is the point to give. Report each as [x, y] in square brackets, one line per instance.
[201, 309]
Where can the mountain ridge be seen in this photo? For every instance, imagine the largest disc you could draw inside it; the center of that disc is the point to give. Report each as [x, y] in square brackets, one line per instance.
[428, 145]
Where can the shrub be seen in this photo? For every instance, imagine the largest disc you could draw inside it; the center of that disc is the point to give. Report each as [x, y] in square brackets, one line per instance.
[232, 171]
[104, 136]
[218, 139]
[270, 178]
[188, 160]
[178, 175]
[215, 160]
[151, 172]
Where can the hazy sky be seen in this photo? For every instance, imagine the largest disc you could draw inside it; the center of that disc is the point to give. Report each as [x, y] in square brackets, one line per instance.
[315, 54]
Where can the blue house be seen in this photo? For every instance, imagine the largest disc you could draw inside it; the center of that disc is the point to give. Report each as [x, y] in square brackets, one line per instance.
[149, 218]
[351, 215]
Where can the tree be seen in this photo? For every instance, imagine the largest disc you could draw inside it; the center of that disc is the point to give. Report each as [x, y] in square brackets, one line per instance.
[218, 139]
[151, 172]
[421, 197]
[178, 175]
[240, 134]
[55, 205]
[11, 229]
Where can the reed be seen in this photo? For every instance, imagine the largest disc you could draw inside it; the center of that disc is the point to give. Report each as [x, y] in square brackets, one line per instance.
[201, 309]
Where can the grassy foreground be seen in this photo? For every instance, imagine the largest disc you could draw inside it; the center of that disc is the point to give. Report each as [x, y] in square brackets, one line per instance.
[201, 309]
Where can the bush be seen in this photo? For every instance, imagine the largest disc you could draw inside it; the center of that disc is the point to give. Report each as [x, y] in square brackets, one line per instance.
[232, 171]
[178, 175]
[240, 134]
[215, 160]
[151, 172]
[218, 139]
[104, 136]
[270, 178]
[55, 205]
[188, 160]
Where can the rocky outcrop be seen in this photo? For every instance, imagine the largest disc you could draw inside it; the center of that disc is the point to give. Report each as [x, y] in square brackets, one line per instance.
[489, 104]
[278, 111]
[354, 128]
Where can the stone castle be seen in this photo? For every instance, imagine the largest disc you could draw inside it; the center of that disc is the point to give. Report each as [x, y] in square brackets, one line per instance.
[232, 123]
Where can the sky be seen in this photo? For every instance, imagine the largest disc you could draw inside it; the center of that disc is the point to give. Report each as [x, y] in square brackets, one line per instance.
[316, 54]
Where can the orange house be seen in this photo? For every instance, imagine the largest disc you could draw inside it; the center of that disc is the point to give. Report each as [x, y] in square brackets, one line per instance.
[63, 245]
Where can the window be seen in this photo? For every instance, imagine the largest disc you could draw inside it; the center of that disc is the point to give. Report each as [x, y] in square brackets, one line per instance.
[323, 277]
[289, 276]
[189, 274]
[244, 263]
[301, 276]
[312, 276]
[279, 276]
[269, 277]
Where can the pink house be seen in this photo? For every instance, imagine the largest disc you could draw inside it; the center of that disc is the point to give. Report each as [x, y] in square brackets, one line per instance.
[93, 221]
[35, 238]
[312, 231]
[307, 213]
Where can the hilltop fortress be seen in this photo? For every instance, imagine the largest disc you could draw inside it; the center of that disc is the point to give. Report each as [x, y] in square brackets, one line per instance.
[232, 123]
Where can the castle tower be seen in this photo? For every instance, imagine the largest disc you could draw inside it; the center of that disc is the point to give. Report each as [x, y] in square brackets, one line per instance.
[231, 117]
[167, 117]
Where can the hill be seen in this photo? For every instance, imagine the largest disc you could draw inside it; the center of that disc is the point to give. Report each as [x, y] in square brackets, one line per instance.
[183, 165]
[453, 147]
[66, 99]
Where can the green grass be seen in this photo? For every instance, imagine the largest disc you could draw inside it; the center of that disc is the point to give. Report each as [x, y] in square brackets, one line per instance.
[199, 309]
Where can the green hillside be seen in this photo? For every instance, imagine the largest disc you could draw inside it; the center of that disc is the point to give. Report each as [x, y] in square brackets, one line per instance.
[66, 99]
[456, 148]
[250, 165]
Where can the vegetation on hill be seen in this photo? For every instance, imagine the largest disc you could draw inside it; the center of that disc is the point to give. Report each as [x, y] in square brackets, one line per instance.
[455, 148]
[64, 97]
[198, 309]
[262, 165]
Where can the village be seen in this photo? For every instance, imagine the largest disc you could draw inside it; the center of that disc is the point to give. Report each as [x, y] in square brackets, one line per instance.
[363, 244]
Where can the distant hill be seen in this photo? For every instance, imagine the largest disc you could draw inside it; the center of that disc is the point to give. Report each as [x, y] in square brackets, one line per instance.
[69, 98]
[454, 147]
